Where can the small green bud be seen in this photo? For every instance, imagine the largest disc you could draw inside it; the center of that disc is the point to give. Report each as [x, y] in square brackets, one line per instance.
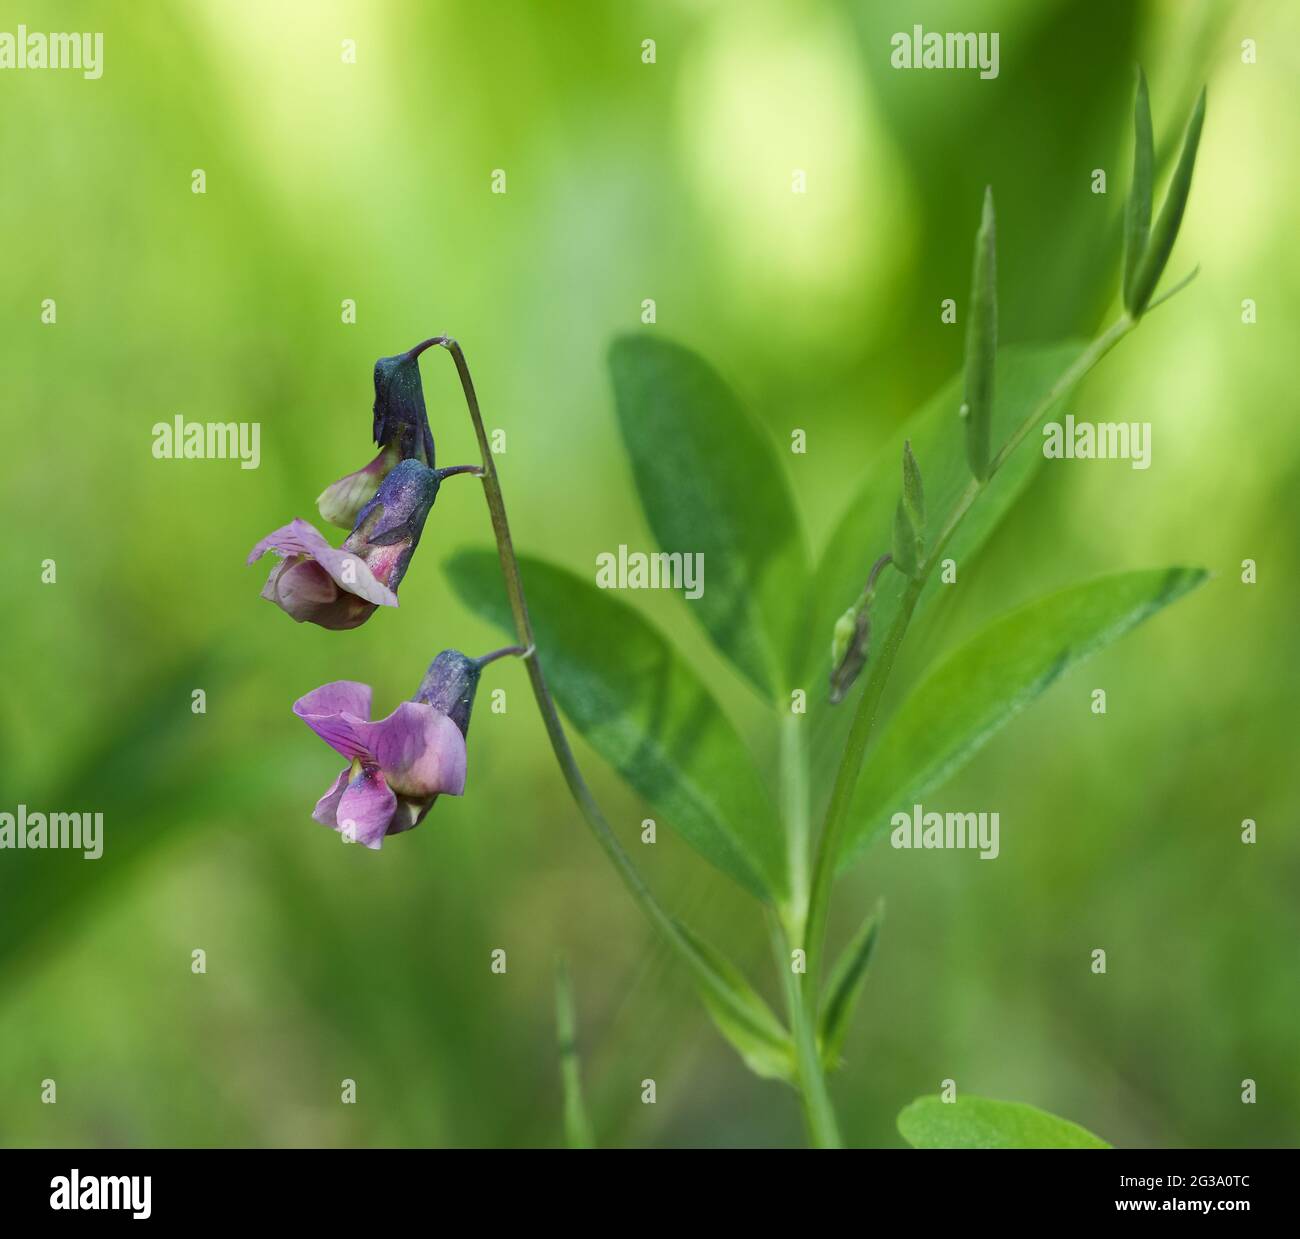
[845, 627]
[851, 640]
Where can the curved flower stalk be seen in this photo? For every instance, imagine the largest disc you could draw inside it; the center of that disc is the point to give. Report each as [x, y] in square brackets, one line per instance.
[398, 765]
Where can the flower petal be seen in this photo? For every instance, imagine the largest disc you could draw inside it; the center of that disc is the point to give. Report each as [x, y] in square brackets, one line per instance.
[332, 712]
[347, 570]
[419, 749]
[326, 811]
[410, 813]
[295, 538]
[366, 808]
[341, 502]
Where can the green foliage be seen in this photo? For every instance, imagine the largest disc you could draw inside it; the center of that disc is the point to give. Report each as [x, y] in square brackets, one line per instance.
[710, 482]
[1137, 215]
[645, 711]
[978, 1123]
[578, 1133]
[981, 342]
[909, 517]
[1165, 230]
[740, 1014]
[845, 985]
[866, 527]
[962, 702]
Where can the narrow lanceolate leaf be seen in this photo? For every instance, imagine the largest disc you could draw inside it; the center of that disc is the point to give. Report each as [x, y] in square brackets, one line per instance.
[981, 343]
[1165, 230]
[978, 1123]
[711, 484]
[577, 1124]
[1137, 217]
[740, 1013]
[903, 546]
[913, 490]
[909, 517]
[645, 711]
[845, 985]
[976, 690]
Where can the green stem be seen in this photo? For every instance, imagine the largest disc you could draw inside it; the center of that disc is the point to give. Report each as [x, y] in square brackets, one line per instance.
[818, 1111]
[577, 1124]
[578, 788]
[793, 783]
[855, 747]
[671, 931]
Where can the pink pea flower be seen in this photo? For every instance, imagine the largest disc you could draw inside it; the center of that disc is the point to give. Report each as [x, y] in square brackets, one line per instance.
[401, 764]
[342, 587]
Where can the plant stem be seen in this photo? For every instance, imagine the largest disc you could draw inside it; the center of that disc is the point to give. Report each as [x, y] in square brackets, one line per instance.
[577, 1123]
[850, 767]
[605, 836]
[793, 782]
[818, 1111]
[822, 1128]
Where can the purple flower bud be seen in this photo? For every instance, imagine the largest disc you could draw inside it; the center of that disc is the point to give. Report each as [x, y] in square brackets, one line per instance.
[449, 686]
[400, 415]
[401, 429]
[341, 588]
[398, 766]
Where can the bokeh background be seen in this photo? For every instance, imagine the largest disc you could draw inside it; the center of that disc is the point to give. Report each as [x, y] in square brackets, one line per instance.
[625, 181]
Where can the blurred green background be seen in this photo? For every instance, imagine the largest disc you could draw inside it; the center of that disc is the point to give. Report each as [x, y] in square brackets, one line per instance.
[625, 181]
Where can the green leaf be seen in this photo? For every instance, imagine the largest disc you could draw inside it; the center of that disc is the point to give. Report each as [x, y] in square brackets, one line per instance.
[977, 689]
[711, 483]
[981, 342]
[978, 1123]
[1137, 217]
[643, 710]
[740, 1013]
[1165, 231]
[909, 518]
[845, 985]
[577, 1123]
[1025, 373]
[913, 499]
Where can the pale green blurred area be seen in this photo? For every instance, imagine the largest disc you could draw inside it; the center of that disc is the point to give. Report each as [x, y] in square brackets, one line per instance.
[625, 181]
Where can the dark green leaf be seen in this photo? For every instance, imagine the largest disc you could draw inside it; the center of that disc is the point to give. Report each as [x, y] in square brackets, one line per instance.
[977, 689]
[711, 483]
[1165, 231]
[981, 342]
[978, 1123]
[845, 985]
[1137, 217]
[643, 710]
